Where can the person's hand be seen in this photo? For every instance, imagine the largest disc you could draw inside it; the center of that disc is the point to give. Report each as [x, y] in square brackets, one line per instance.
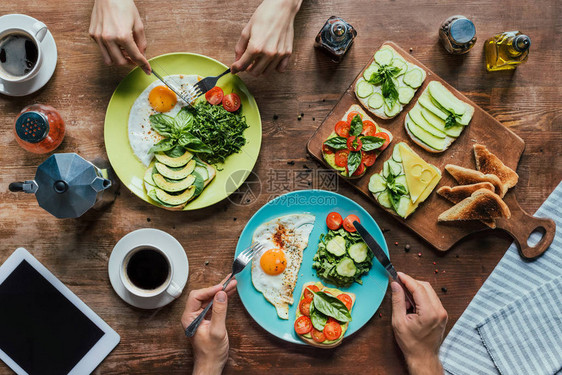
[266, 42]
[419, 335]
[117, 28]
[210, 342]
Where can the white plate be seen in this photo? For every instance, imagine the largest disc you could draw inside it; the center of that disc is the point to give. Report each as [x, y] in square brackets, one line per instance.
[148, 237]
[49, 49]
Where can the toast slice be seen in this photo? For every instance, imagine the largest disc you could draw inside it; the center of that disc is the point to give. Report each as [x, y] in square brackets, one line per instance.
[481, 205]
[488, 163]
[466, 176]
[458, 193]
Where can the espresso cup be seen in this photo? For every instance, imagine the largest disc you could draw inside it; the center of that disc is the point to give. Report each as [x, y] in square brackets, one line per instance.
[36, 33]
[146, 271]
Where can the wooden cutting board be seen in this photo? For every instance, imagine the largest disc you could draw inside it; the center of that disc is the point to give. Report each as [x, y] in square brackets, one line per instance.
[483, 129]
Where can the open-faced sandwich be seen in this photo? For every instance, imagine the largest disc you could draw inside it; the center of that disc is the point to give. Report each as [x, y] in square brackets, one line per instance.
[405, 181]
[323, 315]
[389, 83]
[438, 118]
[355, 143]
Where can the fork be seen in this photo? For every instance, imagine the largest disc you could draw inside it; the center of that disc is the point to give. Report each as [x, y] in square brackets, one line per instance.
[240, 262]
[206, 84]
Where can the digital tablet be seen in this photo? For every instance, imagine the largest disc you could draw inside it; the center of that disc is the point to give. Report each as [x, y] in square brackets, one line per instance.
[44, 327]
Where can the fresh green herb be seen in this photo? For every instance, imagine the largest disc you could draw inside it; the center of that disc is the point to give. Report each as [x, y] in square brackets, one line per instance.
[177, 133]
[371, 143]
[318, 319]
[331, 306]
[199, 183]
[337, 143]
[451, 120]
[356, 126]
[395, 191]
[353, 162]
[384, 77]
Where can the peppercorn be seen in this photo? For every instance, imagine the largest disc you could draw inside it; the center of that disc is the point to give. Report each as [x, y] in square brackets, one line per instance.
[407, 247]
[444, 290]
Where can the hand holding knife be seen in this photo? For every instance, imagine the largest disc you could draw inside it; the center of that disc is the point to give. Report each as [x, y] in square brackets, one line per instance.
[383, 259]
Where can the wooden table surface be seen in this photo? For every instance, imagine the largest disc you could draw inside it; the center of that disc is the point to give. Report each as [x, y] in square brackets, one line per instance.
[77, 251]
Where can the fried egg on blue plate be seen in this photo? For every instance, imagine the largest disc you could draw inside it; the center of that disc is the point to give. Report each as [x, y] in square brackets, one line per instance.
[275, 269]
[156, 98]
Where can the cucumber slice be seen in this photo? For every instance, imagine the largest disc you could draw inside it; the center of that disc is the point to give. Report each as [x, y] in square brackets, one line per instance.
[364, 89]
[376, 100]
[425, 137]
[445, 98]
[336, 246]
[391, 112]
[358, 252]
[465, 119]
[394, 167]
[401, 64]
[384, 199]
[384, 56]
[385, 169]
[403, 206]
[396, 154]
[368, 73]
[425, 101]
[405, 94]
[413, 78]
[346, 267]
[401, 180]
[377, 183]
[416, 116]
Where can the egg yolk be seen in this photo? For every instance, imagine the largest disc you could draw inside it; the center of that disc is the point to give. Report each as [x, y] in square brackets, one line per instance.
[273, 262]
[162, 99]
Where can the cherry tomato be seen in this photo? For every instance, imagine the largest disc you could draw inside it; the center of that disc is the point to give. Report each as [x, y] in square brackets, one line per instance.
[352, 114]
[327, 149]
[368, 157]
[354, 147]
[215, 95]
[332, 330]
[346, 299]
[231, 102]
[317, 336]
[341, 158]
[360, 170]
[386, 142]
[308, 295]
[369, 128]
[334, 221]
[348, 223]
[303, 325]
[304, 307]
[342, 129]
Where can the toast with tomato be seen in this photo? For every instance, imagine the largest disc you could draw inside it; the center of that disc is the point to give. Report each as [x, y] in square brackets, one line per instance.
[323, 315]
[355, 143]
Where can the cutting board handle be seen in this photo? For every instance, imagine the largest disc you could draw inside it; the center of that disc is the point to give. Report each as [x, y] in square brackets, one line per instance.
[521, 225]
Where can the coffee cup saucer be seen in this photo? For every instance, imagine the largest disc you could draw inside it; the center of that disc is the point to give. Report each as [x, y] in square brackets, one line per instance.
[49, 50]
[155, 238]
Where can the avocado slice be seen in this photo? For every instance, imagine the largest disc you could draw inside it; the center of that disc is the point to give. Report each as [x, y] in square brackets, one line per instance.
[148, 177]
[172, 186]
[174, 162]
[173, 200]
[175, 173]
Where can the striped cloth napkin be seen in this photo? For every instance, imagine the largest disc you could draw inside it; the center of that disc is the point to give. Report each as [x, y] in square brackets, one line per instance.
[487, 335]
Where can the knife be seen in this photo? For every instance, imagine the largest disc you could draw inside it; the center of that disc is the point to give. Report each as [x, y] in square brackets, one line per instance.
[383, 259]
[177, 92]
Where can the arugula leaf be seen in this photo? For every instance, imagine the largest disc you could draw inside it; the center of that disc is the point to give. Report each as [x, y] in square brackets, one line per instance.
[337, 143]
[451, 120]
[353, 161]
[356, 126]
[331, 306]
[371, 143]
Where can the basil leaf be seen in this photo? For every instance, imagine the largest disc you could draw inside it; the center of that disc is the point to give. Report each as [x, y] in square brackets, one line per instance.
[371, 143]
[331, 306]
[199, 183]
[356, 126]
[400, 189]
[450, 121]
[183, 119]
[394, 199]
[176, 152]
[193, 144]
[164, 145]
[337, 143]
[318, 319]
[353, 161]
[162, 123]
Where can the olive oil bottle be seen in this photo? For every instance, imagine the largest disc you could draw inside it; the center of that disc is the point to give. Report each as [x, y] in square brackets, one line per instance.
[506, 50]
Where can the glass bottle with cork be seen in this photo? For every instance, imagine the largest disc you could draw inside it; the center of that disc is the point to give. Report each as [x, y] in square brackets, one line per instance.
[457, 34]
[335, 38]
[507, 50]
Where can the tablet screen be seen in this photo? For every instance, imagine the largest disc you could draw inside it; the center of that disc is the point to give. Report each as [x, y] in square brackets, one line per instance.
[40, 329]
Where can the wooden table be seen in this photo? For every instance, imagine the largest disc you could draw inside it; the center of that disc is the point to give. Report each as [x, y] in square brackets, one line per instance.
[526, 100]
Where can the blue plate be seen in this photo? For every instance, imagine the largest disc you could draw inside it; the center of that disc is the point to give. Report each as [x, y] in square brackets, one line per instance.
[318, 203]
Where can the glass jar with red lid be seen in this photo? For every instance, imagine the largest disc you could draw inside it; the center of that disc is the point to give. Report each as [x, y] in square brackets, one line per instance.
[39, 128]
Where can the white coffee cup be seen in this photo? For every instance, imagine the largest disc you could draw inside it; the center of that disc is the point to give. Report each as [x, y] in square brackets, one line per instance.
[36, 33]
[168, 286]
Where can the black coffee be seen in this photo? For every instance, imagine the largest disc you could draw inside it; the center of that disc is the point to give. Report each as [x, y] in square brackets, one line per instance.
[148, 269]
[18, 55]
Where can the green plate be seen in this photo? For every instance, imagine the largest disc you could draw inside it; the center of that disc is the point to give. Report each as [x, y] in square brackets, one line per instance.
[130, 170]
